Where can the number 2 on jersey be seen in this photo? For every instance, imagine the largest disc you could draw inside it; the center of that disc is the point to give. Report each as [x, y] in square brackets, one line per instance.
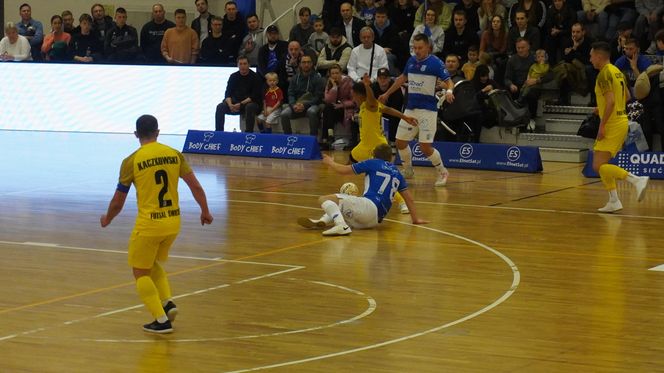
[160, 176]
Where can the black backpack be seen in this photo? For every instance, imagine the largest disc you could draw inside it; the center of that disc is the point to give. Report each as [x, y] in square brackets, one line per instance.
[508, 113]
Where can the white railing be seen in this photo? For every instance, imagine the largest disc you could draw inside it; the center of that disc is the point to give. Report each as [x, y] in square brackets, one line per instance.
[291, 9]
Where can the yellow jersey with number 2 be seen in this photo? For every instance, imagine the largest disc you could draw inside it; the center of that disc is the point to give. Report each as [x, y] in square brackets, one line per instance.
[155, 170]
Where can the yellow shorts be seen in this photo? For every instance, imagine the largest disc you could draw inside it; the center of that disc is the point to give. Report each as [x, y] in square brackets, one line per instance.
[614, 138]
[362, 151]
[145, 250]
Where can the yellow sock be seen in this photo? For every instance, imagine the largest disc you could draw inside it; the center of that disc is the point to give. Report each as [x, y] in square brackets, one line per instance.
[398, 200]
[150, 297]
[160, 280]
[609, 173]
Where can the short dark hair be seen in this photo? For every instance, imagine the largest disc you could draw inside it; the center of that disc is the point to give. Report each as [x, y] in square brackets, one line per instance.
[195, 1]
[358, 87]
[240, 58]
[303, 10]
[460, 12]
[92, 8]
[632, 41]
[381, 10]
[146, 126]
[230, 3]
[601, 46]
[659, 36]
[473, 48]
[180, 11]
[85, 17]
[421, 37]
[121, 10]
[252, 15]
[383, 151]
[57, 16]
[67, 13]
[23, 5]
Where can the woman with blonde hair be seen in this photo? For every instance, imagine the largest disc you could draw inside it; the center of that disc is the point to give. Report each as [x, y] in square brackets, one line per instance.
[14, 47]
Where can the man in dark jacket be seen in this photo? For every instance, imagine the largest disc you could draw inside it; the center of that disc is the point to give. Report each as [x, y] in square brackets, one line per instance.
[272, 57]
[121, 44]
[234, 27]
[350, 25]
[305, 93]
[153, 32]
[203, 23]
[244, 95]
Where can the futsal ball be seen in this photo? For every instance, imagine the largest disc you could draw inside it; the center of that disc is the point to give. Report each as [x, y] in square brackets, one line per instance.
[350, 189]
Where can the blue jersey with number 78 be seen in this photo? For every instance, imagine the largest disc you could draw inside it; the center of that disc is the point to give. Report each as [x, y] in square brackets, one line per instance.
[381, 182]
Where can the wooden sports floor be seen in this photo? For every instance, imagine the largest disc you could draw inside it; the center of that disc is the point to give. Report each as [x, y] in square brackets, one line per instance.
[515, 272]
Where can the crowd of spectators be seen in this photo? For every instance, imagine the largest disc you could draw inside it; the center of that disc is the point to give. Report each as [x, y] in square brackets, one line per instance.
[345, 40]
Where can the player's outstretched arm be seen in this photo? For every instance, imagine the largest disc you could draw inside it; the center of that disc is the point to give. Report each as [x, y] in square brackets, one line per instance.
[199, 195]
[408, 198]
[114, 208]
[395, 113]
[337, 167]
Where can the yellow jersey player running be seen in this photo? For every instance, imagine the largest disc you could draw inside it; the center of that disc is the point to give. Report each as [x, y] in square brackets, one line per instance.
[155, 170]
[371, 130]
[612, 96]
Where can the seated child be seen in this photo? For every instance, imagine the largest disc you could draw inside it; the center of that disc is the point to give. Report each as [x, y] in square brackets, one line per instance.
[272, 101]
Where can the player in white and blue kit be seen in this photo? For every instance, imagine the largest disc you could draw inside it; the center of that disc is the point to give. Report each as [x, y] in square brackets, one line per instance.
[382, 181]
[422, 72]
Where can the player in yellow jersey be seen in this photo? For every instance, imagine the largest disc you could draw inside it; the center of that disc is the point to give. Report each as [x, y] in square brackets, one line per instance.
[154, 169]
[612, 96]
[371, 129]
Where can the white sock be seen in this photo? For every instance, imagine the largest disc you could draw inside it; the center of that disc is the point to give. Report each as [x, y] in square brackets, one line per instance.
[332, 210]
[406, 156]
[162, 319]
[613, 195]
[437, 161]
[632, 178]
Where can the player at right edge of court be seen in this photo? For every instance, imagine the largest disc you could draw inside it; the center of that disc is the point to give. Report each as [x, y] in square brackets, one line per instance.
[155, 170]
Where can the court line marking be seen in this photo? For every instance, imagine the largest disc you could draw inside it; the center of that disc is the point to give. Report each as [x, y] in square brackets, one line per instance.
[516, 279]
[372, 305]
[128, 283]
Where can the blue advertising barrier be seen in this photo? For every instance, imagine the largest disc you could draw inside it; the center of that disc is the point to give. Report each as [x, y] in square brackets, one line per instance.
[252, 144]
[642, 164]
[499, 157]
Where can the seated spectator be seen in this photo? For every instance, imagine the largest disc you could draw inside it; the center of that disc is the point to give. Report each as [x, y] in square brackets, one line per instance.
[537, 72]
[366, 11]
[522, 29]
[152, 34]
[461, 36]
[85, 45]
[633, 63]
[56, 42]
[494, 39]
[620, 11]
[488, 9]
[293, 57]
[319, 38]
[559, 20]
[483, 84]
[594, 12]
[68, 23]
[435, 33]
[442, 10]
[469, 8]
[396, 101]
[121, 44]
[617, 44]
[32, 30]
[339, 105]
[350, 25]
[253, 41]
[336, 52]
[272, 56]
[575, 73]
[649, 21]
[180, 43]
[535, 12]
[473, 61]
[387, 37]
[301, 31]
[305, 93]
[453, 66]
[14, 47]
[367, 57]
[486, 60]
[272, 101]
[101, 23]
[402, 16]
[516, 76]
[216, 49]
[234, 27]
[203, 23]
[659, 42]
[243, 96]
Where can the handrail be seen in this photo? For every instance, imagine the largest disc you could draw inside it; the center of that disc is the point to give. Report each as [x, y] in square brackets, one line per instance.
[292, 9]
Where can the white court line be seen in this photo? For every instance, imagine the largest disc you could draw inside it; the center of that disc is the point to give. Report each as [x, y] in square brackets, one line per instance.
[197, 292]
[516, 279]
[659, 268]
[58, 246]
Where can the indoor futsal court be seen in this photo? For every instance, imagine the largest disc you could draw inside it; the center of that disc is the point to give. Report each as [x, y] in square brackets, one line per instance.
[515, 273]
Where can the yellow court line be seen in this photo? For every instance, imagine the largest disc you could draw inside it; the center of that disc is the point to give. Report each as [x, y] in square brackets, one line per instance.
[198, 268]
